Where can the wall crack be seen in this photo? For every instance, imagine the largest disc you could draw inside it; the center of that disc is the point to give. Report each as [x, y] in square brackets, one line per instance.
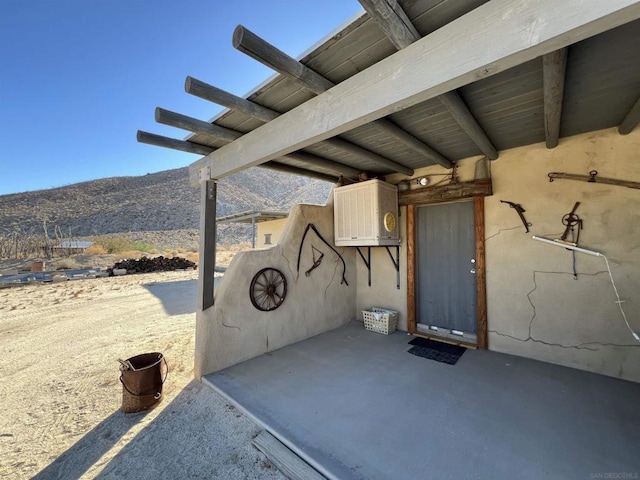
[530, 338]
[500, 231]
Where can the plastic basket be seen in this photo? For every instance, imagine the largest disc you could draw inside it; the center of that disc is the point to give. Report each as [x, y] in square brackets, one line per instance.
[380, 320]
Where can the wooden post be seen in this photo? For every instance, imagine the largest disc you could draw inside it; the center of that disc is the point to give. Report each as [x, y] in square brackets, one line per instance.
[481, 274]
[553, 68]
[411, 269]
[208, 229]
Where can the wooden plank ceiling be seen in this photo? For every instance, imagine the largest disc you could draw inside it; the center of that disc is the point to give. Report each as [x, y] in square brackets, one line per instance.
[601, 86]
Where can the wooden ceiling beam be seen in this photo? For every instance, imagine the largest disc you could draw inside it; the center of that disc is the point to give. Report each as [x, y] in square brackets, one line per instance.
[470, 48]
[554, 65]
[396, 25]
[172, 143]
[249, 43]
[631, 120]
[227, 135]
[194, 169]
[303, 172]
[173, 119]
[264, 114]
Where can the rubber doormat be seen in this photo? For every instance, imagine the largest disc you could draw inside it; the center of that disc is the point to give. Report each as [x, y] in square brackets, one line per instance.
[438, 351]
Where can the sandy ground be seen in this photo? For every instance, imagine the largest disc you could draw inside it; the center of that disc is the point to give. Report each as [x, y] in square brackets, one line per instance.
[60, 394]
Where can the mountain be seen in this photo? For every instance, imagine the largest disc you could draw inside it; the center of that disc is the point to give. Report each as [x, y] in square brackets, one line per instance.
[157, 202]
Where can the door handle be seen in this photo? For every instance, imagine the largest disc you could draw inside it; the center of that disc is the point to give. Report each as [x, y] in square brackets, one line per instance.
[473, 270]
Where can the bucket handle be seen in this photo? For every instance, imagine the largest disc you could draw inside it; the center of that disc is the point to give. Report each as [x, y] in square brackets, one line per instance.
[155, 395]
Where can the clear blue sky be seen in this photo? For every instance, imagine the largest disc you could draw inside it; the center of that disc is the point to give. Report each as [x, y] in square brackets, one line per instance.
[78, 78]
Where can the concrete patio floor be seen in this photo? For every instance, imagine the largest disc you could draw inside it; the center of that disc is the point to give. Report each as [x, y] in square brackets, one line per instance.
[355, 405]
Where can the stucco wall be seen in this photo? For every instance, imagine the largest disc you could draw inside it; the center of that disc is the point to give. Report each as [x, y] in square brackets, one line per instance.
[233, 330]
[274, 227]
[535, 307]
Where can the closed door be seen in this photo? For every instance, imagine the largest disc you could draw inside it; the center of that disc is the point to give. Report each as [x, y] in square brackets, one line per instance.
[445, 267]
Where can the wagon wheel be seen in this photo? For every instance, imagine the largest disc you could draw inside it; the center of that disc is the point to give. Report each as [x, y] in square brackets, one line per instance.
[268, 289]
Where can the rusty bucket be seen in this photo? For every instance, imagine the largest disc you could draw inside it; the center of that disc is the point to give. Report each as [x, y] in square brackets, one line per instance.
[142, 380]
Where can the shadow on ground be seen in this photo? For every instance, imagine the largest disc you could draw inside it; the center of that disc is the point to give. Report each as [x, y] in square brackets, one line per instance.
[197, 435]
[73, 463]
[178, 298]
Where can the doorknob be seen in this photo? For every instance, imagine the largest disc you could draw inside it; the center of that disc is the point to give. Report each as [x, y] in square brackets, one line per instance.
[473, 270]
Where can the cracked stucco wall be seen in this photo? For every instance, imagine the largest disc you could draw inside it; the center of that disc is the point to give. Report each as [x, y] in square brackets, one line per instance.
[233, 330]
[535, 307]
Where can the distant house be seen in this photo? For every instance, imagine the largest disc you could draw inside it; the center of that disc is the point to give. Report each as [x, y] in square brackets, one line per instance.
[71, 247]
[266, 226]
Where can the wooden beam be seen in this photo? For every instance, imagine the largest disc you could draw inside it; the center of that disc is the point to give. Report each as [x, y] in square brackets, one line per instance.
[285, 168]
[166, 142]
[631, 120]
[194, 125]
[262, 51]
[315, 161]
[481, 274]
[554, 65]
[470, 48]
[396, 25]
[392, 20]
[290, 464]
[412, 326]
[264, 114]
[208, 232]
[205, 91]
[250, 44]
[446, 193]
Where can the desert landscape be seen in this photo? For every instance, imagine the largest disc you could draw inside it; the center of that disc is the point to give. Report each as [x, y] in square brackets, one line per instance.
[59, 376]
[61, 395]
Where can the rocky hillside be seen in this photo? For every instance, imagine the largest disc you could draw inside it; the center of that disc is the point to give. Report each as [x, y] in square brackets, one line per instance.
[158, 202]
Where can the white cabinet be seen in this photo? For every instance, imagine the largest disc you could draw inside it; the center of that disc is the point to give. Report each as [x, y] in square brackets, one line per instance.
[366, 214]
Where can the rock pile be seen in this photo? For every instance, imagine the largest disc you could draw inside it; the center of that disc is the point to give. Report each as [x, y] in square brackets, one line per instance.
[156, 264]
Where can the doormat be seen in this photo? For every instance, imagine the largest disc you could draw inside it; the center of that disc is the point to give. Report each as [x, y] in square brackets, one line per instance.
[438, 351]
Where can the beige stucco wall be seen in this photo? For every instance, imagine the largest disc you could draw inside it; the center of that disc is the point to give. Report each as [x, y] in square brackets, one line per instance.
[274, 227]
[535, 307]
[233, 330]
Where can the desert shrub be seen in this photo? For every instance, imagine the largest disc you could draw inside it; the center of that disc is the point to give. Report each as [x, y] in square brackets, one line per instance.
[130, 254]
[122, 245]
[96, 249]
[193, 256]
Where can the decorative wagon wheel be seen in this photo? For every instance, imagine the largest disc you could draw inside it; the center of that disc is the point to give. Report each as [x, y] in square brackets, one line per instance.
[268, 289]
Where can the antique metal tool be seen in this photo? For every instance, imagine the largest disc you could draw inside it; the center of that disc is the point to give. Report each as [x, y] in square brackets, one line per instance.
[571, 221]
[518, 208]
[316, 262]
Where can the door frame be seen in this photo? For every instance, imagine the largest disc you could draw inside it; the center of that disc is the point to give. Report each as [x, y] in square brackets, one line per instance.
[481, 279]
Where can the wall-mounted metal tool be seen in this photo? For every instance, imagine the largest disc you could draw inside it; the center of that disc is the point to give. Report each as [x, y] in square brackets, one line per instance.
[518, 208]
[571, 221]
[593, 178]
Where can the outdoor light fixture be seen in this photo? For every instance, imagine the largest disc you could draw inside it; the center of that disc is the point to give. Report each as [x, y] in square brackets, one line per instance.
[424, 181]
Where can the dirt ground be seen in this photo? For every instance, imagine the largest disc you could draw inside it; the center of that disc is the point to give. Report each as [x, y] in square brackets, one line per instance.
[60, 392]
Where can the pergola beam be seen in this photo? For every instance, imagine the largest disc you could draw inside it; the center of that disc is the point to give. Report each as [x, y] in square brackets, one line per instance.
[249, 43]
[490, 39]
[554, 65]
[228, 135]
[174, 144]
[631, 120]
[264, 114]
[194, 125]
[396, 25]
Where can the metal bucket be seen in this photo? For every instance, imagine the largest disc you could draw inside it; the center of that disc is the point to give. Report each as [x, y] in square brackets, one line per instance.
[142, 380]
